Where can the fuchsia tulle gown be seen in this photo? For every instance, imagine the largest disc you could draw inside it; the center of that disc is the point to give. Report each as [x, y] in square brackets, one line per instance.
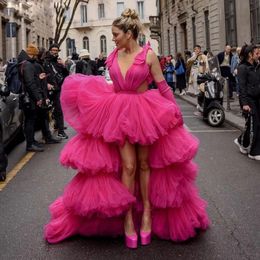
[104, 116]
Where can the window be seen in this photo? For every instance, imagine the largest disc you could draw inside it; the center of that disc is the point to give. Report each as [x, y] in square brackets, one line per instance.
[38, 40]
[70, 46]
[141, 39]
[175, 39]
[140, 7]
[67, 14]
[230, 21]
[86, 43]
[207, 32]
[101, 10]
[255, 20]
[83, 13]
[43, 41]
[194, 31]
[103, 45]
[169, 41]
[120, 8]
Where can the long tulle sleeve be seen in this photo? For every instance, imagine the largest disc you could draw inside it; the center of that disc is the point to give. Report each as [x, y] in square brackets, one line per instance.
[165, 90]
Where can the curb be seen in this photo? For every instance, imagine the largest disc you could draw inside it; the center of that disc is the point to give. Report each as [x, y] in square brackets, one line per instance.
[233, 120]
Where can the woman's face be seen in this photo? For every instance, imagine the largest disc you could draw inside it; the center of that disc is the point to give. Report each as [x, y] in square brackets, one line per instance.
[119, 37]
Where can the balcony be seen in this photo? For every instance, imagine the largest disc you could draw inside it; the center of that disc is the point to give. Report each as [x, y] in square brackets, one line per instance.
[155, 27]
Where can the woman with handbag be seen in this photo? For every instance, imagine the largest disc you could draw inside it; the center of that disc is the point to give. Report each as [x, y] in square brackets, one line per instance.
[180, 70]
[249, 96]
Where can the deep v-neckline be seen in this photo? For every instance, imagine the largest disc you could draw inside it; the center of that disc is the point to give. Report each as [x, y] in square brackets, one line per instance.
[119, 68]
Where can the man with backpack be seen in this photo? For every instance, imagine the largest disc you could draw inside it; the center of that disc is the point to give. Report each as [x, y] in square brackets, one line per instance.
[31, 98]
[86, 66]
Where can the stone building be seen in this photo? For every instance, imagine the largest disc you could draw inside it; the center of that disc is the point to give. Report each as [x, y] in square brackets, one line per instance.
[91, 26]
[209, 23]
[23, 22]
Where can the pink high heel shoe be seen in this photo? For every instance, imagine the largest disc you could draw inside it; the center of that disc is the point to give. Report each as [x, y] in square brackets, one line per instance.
[145, 237]
[131, 241]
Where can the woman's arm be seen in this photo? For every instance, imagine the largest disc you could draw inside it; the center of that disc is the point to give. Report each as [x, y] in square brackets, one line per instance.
[158, 77]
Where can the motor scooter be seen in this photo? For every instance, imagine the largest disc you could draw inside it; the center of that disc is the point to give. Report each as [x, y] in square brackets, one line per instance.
[210, 98]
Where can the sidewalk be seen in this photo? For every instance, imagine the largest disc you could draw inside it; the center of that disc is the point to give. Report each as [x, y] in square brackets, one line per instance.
[233, 116]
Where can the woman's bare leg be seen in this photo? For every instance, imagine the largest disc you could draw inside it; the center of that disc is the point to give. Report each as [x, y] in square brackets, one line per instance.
[128, 156]
[143, 152]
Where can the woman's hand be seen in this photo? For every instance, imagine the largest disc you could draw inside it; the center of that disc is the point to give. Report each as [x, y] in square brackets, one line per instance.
[246, 108]
[50, 87]
[42, 75]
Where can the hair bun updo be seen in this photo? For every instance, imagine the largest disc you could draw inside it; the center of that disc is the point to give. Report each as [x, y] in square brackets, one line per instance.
[129, 13]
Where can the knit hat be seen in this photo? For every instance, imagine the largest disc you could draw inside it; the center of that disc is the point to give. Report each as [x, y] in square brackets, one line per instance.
[32, 50]
[54, 45]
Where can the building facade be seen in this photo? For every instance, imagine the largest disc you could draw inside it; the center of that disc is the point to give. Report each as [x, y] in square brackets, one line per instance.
[91, 26]
[24, 22]
[209, 23]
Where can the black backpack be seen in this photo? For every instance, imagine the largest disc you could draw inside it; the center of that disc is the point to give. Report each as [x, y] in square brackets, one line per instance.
[12, 79]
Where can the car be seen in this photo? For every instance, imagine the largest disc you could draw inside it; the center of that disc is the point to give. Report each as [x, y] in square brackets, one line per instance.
[11, 117]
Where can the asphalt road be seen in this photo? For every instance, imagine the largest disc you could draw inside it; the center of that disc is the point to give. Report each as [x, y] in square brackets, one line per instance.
[228, 180]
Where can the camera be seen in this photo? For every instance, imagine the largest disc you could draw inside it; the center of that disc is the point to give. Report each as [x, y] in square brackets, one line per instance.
[46, 105]
[24, 100]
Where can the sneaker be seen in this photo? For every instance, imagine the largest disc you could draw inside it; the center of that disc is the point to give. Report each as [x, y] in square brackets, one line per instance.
[52, 140]
[183, 93]
[38, 144]
[2, 176]
[62, 135]
[34, 148]
[254, 157]
[241, 149]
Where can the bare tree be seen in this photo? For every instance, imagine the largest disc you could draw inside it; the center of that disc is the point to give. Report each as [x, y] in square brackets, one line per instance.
[61, 7]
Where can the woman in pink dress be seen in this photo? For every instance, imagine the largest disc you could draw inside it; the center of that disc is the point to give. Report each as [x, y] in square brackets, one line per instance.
[132, 152]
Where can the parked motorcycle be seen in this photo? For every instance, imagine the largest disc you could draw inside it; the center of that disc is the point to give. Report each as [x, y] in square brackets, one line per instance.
[210, 98]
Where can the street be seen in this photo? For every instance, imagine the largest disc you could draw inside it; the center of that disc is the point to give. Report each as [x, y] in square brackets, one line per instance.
[228, 180]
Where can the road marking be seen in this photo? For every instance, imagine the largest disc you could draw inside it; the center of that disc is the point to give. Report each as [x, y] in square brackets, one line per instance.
[213, 131]
[11, 174]
[190, 116]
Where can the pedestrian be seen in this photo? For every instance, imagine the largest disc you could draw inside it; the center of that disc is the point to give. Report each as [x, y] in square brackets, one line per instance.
[249, 96]
[57, 72]
[127, 133]
[32, 97]
[169, 73]
[86, 66]
[224, 59]
[180, 69]
[198, 63]
[43, 111]
[234, 65]
[101, 64]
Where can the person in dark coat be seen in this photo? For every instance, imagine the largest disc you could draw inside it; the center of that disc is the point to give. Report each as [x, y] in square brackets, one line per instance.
[32, 97]
[249, 95]
[224, 59]
[180, 78]
[56, 73]
[43, 111]
[86, 66]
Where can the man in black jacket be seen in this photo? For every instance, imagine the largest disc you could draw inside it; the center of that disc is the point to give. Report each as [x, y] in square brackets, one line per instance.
[56, 71]
[32, 97]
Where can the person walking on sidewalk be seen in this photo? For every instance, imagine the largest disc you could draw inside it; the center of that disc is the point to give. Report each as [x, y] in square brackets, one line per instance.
[249, 94]
[180, 74]
[169, 73]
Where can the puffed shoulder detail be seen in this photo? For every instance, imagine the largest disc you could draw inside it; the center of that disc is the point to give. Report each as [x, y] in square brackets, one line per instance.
[110, 58]
[141, 57]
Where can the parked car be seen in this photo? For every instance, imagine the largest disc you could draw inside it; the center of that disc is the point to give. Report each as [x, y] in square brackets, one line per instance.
[11, 117]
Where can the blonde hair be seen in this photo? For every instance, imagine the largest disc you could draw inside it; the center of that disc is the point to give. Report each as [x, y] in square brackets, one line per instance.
[129, 21]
